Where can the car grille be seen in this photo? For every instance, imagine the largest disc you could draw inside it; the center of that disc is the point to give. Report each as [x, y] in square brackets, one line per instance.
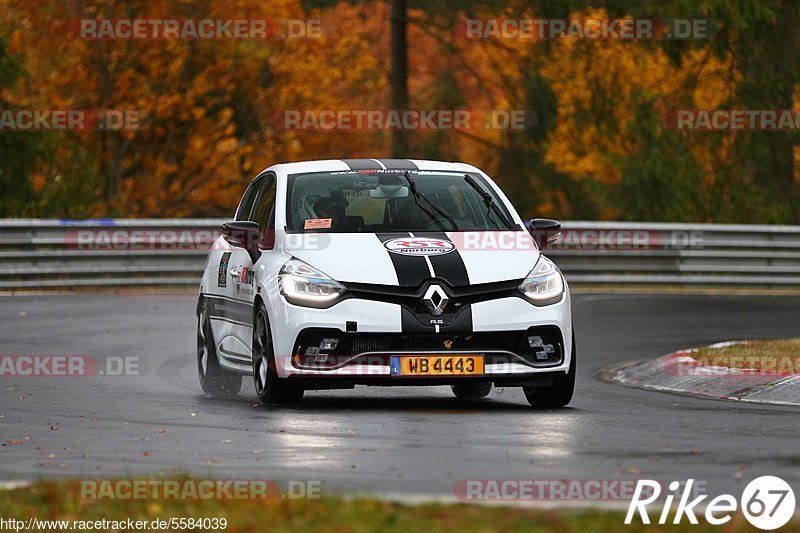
[362, 344]
[498, 343]
[411, 297]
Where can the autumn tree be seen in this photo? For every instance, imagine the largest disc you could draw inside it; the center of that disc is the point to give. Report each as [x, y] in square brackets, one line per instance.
[19, 149]
[594, 143]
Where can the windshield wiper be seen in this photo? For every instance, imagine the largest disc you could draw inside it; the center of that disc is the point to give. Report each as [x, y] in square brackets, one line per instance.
[488, 199]
[412, 185]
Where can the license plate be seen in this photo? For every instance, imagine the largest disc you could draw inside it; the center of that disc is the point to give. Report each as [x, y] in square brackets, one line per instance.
[437, 365]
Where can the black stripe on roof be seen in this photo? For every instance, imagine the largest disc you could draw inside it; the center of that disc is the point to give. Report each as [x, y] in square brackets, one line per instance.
[398, 164]
[362, 164]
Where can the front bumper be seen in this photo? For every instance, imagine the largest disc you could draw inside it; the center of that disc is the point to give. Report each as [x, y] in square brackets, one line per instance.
[370, 332]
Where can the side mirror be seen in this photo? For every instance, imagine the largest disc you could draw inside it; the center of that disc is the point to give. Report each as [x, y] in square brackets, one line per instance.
[243, 234]
[545, 231]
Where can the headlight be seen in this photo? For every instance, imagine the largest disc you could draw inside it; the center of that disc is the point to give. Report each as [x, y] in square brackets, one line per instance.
[302, 284]
[544, 285]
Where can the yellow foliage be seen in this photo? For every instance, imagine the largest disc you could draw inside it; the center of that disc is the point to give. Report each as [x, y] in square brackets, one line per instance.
[207, 107]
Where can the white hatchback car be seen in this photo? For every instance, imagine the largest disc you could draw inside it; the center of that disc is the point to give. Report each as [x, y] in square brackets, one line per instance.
[383, 272]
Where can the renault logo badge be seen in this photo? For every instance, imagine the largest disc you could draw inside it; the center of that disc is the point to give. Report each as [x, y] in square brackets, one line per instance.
[435, 300]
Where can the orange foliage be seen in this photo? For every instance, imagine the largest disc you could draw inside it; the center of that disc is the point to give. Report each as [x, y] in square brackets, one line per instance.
[207, 105]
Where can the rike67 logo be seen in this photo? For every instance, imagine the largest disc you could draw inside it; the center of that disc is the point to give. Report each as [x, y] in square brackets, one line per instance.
[767, 502]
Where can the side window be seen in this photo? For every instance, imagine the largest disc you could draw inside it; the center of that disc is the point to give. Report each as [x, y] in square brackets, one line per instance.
[264, 210]
[249, 198]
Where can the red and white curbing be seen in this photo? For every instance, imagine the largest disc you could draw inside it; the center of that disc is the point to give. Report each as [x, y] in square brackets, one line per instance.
[679, 372]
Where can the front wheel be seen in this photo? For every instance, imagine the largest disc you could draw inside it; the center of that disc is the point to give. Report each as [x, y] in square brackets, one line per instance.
[559, 393]
[214, 380]
[270, 388]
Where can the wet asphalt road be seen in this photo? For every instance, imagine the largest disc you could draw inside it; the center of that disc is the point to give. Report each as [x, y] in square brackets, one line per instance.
[404, 440]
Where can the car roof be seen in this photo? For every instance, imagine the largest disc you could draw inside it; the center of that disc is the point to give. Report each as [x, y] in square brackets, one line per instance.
[322, 165]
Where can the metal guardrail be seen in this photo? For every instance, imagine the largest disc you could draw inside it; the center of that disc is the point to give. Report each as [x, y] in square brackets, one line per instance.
[41, 254]
[679, 254]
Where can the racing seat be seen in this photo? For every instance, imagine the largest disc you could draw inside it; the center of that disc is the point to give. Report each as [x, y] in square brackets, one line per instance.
[329, 208]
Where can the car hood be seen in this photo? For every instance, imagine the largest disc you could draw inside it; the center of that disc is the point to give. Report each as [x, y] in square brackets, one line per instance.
[459, 258]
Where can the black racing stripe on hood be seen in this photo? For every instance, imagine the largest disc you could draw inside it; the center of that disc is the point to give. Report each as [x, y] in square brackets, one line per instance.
[398, 164]
[450, 266]
[411, 271]
[362, 164]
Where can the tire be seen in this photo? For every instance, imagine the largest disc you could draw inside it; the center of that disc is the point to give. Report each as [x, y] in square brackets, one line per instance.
[471, 391]
[270, 389]
[559, 394]
[214, 380]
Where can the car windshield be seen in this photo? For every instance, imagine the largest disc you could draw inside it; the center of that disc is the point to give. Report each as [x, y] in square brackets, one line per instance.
[373, 201]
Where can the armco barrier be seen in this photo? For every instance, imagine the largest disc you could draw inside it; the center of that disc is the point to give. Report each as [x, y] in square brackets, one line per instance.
[42, 254]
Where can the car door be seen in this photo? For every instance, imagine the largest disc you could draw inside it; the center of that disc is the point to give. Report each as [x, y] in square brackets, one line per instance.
[241, 286]
[228, 314]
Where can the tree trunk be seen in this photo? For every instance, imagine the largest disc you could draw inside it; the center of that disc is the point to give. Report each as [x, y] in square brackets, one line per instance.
[768, 55]
[398, 76]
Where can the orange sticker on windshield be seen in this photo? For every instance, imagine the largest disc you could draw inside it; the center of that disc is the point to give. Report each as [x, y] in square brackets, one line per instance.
[318, 223]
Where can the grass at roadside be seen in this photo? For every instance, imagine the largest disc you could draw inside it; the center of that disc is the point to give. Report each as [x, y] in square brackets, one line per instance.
[772, 355]
[60, 501]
